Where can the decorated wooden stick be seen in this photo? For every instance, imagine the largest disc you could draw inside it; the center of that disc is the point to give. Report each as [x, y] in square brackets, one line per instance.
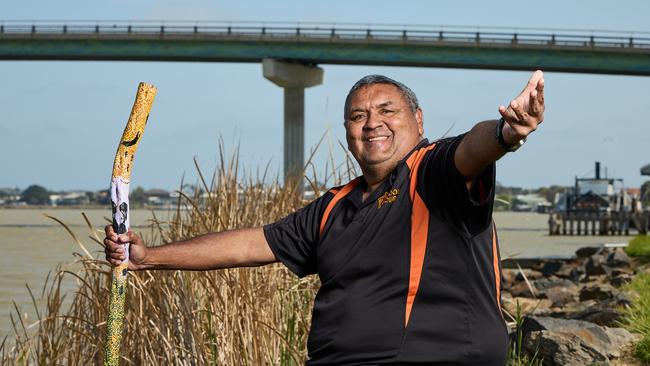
[120, 207]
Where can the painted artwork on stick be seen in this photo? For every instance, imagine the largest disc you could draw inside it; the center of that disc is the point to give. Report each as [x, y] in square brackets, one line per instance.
[120, 207]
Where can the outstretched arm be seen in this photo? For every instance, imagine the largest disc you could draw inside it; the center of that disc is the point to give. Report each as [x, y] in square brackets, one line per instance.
[480, 147]
[235, 248]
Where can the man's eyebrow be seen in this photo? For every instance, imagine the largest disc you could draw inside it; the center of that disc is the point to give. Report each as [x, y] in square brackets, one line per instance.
[384, 104]
[357, 110]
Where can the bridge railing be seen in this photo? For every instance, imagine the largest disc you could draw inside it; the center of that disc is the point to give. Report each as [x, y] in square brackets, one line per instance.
[336, 32]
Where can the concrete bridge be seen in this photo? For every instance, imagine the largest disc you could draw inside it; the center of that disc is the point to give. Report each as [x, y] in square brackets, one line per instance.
[290, 53]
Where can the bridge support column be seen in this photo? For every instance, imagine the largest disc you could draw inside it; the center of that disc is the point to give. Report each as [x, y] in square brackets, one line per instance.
[294, 78]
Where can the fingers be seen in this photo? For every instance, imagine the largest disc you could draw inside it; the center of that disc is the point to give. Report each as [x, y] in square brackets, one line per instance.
[540, 92]
[114, 245]
[535, 78]
[110, 233]
[521, 114]
[533, 81]
[507, 113]
[537, 101]
[114, 252]
[534, 103]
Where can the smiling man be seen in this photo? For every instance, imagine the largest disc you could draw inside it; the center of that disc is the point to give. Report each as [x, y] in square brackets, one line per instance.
[407, 254]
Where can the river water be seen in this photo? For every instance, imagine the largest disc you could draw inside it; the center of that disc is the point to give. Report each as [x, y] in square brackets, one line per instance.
[33, 245]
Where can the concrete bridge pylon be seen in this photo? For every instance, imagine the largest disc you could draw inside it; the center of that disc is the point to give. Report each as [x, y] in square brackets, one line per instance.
[293, 78]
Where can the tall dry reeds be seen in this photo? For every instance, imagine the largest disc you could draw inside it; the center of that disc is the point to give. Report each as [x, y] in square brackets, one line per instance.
[241, 316]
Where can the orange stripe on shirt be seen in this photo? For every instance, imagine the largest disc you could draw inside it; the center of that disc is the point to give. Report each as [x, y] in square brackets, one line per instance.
[419, 230]
[338, 195]
[495, 264]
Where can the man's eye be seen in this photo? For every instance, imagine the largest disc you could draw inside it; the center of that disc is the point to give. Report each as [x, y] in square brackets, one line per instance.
[356, 117]
[386, 111]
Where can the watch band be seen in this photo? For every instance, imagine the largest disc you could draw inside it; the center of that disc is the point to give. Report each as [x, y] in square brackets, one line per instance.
[502, 142]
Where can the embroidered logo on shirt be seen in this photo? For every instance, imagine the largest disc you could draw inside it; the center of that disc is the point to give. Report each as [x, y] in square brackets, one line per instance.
[387, 197]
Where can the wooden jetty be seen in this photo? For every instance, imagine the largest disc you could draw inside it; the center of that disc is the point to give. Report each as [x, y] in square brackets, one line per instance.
[598, 223]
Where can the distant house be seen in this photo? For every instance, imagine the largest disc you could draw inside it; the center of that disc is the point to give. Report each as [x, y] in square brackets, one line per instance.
[73, 198]
[103, 197]
[54, 198]
[530, 202]
[157, 197]
[9, 196]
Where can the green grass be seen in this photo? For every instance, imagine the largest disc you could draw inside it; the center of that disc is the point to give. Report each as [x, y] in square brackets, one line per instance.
[639, 247]
[642, 350]
[636, 318]
[516, 355]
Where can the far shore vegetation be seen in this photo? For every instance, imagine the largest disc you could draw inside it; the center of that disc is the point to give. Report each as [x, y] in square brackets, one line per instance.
[540, 199]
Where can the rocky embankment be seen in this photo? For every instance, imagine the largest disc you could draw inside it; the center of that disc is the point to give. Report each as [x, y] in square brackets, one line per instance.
[571, 309]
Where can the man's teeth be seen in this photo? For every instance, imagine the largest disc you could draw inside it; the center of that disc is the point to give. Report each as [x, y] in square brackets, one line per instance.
[377, 138]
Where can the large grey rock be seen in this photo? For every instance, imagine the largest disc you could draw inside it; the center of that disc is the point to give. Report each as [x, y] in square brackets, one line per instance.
[617, 271]
[572, 270]
[598, 291]
[621, 279]
[560, 295]
[618, 258]
[586, 252]
[605, 316]
[544, 284]
[601, 313]
[595, 265]
[521, 289]
[540, 286]
[527, 306]
[561, 349]
[530, 274]
[560, 337]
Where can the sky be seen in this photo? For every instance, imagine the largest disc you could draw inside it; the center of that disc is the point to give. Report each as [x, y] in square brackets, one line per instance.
[60, 121]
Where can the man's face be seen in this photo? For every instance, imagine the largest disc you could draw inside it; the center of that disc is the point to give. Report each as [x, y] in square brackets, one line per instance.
[380, 126]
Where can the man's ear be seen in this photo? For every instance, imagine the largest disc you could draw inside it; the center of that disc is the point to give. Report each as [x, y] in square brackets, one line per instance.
[419, 120]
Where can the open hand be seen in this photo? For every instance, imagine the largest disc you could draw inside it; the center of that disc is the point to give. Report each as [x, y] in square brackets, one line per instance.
[526, 111]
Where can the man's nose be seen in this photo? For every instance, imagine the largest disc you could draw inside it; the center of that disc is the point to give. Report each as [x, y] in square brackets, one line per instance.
[374, 120]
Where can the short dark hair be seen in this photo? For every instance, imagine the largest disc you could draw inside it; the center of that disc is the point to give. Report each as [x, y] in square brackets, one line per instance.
[408, 94]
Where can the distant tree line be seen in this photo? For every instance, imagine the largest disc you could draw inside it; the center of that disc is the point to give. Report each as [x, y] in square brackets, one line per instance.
[38, 195]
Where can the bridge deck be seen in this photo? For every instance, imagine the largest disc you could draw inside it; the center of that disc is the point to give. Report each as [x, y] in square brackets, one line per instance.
[491, 48]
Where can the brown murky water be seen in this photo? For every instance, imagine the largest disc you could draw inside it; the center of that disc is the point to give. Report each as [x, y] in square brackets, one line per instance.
[33, 245]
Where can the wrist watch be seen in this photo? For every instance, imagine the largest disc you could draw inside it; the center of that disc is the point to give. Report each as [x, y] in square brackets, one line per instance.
[506, 146]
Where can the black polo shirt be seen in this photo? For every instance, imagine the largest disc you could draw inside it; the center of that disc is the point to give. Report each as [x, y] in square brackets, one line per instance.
[411, 275]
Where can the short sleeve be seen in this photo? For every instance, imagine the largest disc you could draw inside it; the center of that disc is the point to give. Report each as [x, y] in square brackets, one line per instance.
[443, 189]
[293, 239]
